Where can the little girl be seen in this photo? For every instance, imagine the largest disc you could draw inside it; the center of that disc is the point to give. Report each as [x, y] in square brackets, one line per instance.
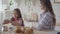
[17, 19]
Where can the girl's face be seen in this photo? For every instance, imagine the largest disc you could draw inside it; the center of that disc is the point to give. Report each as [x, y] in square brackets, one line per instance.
[15, 14]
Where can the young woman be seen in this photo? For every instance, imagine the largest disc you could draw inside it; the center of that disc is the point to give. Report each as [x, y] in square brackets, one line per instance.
[47, 18]
[17, 19]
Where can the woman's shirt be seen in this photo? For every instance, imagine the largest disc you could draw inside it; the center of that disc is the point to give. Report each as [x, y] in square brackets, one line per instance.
[19, 20]
[45, 22]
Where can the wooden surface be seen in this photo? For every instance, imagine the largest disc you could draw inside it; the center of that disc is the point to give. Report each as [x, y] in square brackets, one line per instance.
[35, 32]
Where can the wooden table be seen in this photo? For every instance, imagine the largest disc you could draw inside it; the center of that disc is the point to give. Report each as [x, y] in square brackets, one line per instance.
[35, 32]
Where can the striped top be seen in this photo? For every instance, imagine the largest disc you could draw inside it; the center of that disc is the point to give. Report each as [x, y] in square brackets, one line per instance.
[45, 22]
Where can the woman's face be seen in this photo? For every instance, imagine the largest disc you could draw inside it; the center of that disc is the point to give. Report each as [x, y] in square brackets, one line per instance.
[15, 14]
[42, 7]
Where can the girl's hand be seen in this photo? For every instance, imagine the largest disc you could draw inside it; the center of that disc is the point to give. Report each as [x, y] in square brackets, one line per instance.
[15, 23]
[6, 21]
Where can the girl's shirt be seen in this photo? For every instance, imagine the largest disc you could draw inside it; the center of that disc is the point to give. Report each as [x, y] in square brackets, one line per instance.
[19, 20]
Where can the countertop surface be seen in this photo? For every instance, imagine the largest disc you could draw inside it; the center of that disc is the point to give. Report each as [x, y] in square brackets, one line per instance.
[35, 32]
[57, 29]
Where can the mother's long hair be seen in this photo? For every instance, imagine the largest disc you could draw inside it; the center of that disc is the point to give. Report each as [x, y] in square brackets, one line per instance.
[48, 6]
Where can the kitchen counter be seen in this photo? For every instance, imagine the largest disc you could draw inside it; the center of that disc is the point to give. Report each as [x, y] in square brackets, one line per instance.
[57, 29]
[35, 32]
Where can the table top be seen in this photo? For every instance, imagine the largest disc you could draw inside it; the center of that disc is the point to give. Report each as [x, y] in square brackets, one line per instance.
[35, 32]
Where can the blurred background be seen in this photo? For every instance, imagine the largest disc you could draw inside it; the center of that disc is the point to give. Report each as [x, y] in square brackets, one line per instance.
[30, 10]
